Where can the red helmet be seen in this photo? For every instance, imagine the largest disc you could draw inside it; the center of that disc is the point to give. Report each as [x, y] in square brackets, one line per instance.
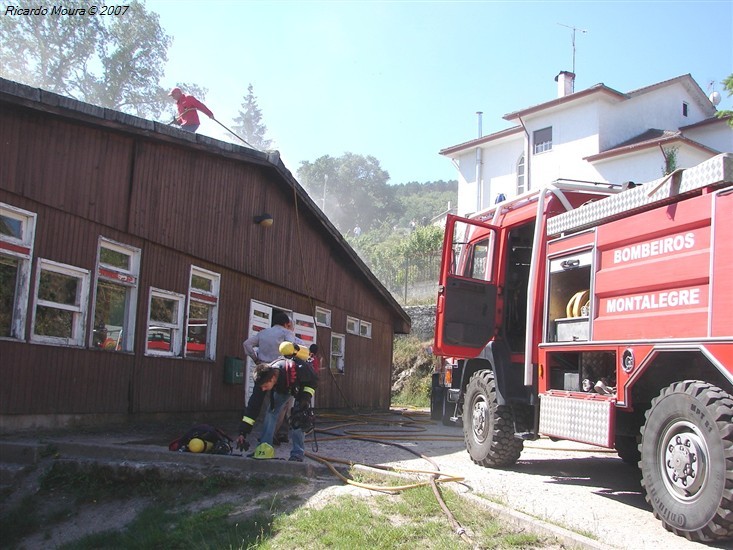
[175, 92]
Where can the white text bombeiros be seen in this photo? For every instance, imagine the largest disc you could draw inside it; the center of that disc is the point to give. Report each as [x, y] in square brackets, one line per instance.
[654, 248]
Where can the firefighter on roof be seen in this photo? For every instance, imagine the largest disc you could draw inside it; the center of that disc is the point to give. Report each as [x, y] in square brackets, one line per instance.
[187, 105]
[286, 376]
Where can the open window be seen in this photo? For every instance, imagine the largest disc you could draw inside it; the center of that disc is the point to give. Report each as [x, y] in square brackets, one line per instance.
[466, 312]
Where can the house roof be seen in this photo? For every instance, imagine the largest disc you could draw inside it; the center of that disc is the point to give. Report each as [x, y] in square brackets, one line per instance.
[650, 138]
[596, 90]
[42, 100]
[480, 141]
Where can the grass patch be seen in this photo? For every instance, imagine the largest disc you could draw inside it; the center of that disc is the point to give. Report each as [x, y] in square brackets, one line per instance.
[412, 519]
[267, 516]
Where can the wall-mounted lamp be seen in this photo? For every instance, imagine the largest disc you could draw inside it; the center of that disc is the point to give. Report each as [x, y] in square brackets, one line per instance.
[265, 220]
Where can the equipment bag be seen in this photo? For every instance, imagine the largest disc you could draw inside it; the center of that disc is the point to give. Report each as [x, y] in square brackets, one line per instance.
[216, 441]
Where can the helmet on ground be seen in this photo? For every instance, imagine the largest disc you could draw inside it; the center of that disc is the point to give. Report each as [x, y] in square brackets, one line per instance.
[264, 451]
[197, 445]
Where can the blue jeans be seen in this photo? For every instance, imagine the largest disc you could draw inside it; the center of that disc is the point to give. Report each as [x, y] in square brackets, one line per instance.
[297, 437]
[190, 127]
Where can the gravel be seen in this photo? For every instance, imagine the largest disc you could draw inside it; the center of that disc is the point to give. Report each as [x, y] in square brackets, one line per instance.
[582, 488]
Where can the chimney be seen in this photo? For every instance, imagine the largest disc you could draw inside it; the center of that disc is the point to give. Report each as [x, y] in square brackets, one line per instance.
[565, 83]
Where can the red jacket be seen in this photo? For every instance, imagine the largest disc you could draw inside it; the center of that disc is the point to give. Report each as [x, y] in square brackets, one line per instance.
[187, 115]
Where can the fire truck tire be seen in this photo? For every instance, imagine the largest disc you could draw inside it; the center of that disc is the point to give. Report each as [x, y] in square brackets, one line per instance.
[488, 427]
[687, 460]
[627, 448]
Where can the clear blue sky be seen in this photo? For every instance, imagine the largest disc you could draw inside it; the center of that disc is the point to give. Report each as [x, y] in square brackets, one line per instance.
[400, 80]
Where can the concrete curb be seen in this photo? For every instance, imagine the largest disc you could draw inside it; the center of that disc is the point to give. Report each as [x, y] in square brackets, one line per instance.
[30, 453]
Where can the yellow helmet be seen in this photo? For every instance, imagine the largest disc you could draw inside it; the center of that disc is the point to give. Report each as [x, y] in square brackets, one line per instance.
[264, 451]
[198, 445]
[288, 348]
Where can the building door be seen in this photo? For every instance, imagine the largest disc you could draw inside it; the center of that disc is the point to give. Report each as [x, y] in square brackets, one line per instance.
[260, 318]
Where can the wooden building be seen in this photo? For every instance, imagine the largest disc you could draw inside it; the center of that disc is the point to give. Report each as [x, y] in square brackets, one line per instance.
[132, 267]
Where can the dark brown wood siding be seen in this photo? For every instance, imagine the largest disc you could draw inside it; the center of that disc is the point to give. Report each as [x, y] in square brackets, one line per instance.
[182, 204]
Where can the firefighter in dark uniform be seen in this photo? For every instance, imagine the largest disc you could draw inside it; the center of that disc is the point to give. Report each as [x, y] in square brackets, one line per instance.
[286, 376]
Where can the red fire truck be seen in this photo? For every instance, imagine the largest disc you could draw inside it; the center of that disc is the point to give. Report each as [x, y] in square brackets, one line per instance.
[600, 314]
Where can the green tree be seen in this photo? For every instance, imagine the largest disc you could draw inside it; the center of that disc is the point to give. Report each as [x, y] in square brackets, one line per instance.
[248, 125]
[401, 258]
[728, 85]
[113, 62]
[352, 190]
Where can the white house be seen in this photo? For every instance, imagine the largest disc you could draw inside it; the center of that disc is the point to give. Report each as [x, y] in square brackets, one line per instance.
[595, 135]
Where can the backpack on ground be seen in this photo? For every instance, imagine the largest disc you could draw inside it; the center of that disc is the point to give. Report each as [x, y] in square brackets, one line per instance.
[203, 439]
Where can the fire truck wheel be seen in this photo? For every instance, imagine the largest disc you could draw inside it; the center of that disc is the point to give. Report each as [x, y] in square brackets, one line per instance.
[627, 448]
[686, 456]
[488, 427]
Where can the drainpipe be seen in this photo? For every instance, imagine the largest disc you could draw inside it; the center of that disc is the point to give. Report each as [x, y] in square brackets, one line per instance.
[479, 164]
[527, 157]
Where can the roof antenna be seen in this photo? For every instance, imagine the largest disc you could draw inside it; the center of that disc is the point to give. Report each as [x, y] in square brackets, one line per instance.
[573, 29]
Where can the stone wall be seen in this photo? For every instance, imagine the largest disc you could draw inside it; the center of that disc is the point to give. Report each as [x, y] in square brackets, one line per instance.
[423, 321]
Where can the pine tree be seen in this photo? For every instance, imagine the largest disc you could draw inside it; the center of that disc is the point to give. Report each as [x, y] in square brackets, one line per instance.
[248, 125]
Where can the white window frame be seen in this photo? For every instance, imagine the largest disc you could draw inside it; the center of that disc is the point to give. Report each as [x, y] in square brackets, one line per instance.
[209, 298]
[352, 325]
[365, 329]
[21, 250]
[175, 327]
[545, 144]
[337, 355]
[323, 317]
[521, 176]
[128, 278]
[79, 309]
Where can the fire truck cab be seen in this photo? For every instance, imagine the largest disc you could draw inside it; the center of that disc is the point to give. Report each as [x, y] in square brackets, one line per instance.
[601, 314]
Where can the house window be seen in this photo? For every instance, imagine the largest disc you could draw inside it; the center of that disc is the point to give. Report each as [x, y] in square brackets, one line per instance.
[684, 108]
[323, 317]
[365, 329]
[118, 270]
[203, 313]
[60, 312]
[338, 347]
[352, 325]
[17, 231]
[542, 140]
[165, 323]
[521, 185]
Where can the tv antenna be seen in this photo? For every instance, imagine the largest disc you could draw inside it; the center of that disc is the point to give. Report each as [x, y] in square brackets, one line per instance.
[574, 29]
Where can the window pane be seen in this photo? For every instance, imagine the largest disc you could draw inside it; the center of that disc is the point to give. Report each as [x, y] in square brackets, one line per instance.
[201, 283]
[198, 327]
[54, 322]
[8, 284]
[109, 315]
[480, 260]
[163, 310]
[159, 338]
[58, 288]
[11, 227]
[114, 258]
